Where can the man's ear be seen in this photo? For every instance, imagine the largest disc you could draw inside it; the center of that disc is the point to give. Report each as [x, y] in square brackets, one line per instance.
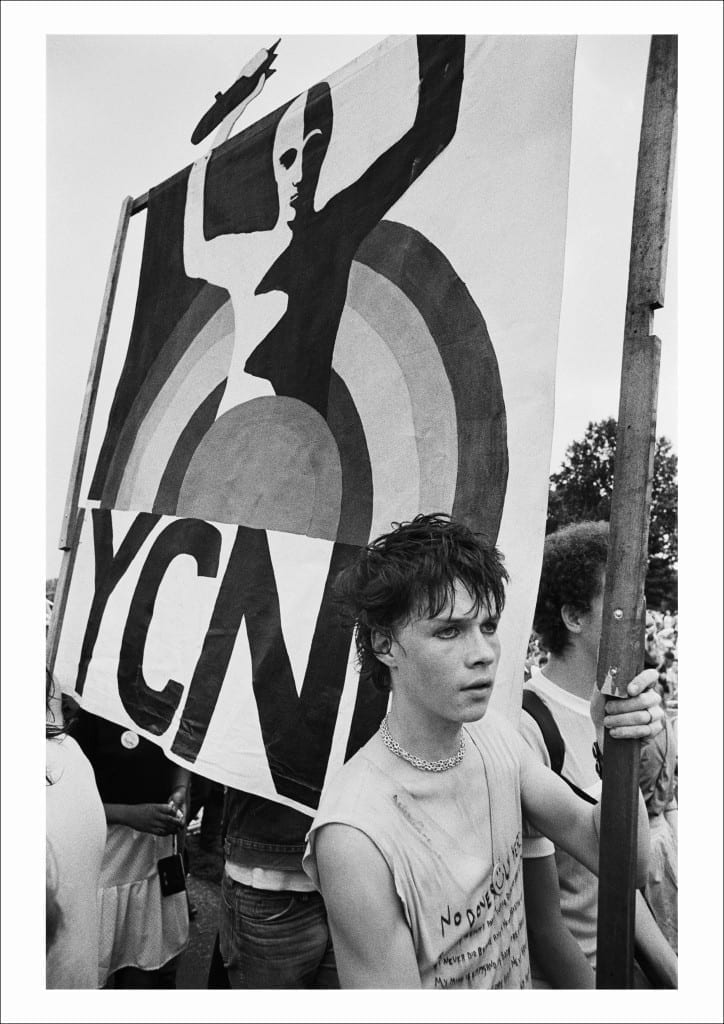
[381, 644]
[572, 617]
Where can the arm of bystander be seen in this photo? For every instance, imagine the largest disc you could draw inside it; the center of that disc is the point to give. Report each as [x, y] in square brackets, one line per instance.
[658, 960]
[179, 796]
[158, 819]
[557, 954]
[555, 811]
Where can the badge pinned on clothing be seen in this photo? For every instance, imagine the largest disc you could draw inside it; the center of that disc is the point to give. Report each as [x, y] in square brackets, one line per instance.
[129, 739]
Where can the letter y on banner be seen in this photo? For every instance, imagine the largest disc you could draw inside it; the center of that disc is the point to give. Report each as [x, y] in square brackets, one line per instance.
[347, 314]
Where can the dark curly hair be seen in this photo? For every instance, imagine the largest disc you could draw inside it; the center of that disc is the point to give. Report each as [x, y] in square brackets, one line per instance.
[573, 560]
[54, 729]
[68, 709]
[412, 571]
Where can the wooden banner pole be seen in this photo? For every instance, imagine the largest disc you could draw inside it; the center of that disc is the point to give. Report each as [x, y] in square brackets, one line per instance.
[620, 654]
[71, 522]
[91, 389]
[61, 592]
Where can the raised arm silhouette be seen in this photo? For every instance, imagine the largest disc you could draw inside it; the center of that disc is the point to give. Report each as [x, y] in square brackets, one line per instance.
[288, 284]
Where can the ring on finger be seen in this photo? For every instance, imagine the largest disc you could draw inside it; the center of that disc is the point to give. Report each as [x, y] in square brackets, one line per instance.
[651, 717]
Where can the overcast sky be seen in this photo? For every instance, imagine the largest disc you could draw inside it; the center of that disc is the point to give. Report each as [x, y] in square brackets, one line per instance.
[119, 115]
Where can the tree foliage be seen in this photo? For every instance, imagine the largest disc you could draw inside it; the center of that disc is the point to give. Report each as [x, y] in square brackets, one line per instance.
[582, 488]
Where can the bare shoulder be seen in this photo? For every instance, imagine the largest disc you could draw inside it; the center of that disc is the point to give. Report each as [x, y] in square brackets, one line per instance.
[353, 874]
[362, 904]
[339, 845]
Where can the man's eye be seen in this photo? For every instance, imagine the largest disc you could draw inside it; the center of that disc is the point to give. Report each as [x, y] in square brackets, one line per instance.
[449, 633]
[287, 158]
[490, 627]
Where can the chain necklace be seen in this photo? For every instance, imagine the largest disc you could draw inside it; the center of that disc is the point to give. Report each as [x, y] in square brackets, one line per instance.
[498, 871]
[420, 762]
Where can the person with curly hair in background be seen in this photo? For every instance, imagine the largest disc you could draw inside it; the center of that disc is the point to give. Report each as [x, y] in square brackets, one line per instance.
[561, 893]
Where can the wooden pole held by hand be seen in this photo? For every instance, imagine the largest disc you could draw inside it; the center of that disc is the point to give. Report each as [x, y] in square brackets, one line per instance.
[620, 655]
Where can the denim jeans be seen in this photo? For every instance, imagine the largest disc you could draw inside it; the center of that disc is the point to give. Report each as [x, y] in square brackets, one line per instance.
[275, 939]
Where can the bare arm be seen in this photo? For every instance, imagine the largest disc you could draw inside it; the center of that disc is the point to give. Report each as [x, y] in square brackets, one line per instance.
[372, 941]
[440, 62]
[196, 247]
[158, 819]
[224, 129]
[198, 250]
[571, 823]
[179, 795]
[556, 951]
[653, 952]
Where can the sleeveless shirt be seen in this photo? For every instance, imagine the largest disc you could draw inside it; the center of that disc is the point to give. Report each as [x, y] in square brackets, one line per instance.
[467, 921]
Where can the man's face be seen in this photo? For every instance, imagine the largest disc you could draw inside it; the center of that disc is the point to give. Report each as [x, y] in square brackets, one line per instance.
[444, 667]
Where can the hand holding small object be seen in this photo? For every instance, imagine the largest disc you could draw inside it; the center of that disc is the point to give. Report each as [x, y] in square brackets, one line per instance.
[158, 819]
[177, 803]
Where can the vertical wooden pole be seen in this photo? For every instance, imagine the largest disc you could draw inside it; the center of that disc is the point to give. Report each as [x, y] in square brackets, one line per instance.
[620, 654]
[61, 593]
[72, 516]
[91, 389]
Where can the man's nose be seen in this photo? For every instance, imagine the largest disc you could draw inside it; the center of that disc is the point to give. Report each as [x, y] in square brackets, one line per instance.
[480, 649]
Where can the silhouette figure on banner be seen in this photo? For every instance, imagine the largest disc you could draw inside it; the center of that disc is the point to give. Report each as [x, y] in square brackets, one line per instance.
[271, 459]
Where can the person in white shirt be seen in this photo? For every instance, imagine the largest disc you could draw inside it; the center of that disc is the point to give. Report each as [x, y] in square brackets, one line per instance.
[561, 892]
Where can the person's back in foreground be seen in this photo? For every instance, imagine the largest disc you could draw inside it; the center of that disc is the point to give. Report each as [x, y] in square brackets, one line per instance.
[416, 847]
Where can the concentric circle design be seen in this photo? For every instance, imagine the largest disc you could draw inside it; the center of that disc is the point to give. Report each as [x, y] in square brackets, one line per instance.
[415, 422]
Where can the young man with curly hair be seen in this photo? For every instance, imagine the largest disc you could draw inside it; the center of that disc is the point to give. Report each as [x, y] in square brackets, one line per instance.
[416, 846]
[561, 893]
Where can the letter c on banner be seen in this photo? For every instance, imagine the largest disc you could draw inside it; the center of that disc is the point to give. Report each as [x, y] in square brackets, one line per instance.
[151, 709]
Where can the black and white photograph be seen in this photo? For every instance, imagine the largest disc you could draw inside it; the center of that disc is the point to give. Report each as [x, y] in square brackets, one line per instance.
[369, 371]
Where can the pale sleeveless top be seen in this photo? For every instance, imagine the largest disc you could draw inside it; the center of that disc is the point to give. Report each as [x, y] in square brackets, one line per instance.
[468, 931]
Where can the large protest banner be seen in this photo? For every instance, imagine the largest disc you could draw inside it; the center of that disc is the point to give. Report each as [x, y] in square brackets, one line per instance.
[347, 313]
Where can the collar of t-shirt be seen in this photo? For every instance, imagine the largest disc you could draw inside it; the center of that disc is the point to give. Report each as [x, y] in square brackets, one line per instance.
[557, 693]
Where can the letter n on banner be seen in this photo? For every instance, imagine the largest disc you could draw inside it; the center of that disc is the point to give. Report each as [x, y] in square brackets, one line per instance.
[347, 314]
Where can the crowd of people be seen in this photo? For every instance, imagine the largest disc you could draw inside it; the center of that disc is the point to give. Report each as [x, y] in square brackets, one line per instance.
[452, 850]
